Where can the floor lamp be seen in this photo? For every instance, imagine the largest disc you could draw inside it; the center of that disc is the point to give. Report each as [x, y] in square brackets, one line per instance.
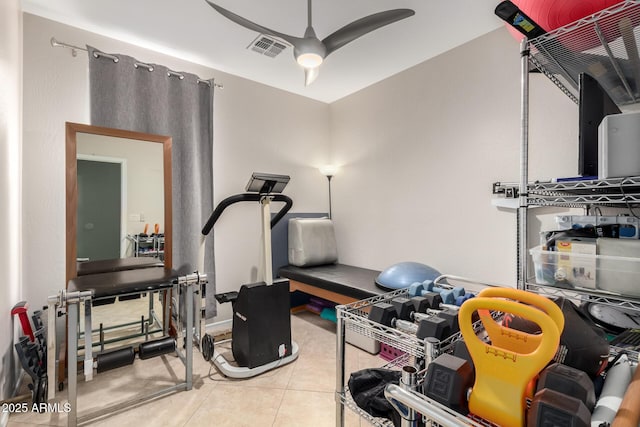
[329, 171]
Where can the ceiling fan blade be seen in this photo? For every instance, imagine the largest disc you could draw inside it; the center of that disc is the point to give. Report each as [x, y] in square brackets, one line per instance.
[310, 75]
[252, 25]
[362, 26]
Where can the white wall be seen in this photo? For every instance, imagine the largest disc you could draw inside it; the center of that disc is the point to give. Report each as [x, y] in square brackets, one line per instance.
[419, 152]
[257, 128]
[10, 149]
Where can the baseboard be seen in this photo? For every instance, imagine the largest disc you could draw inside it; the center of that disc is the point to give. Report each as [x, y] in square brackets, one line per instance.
[16, 388]
[216, 326]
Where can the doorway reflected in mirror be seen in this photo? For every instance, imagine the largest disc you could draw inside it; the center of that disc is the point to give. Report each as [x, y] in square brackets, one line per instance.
[120, 198]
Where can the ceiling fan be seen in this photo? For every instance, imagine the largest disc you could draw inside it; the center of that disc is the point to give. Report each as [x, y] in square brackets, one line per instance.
[310, 51]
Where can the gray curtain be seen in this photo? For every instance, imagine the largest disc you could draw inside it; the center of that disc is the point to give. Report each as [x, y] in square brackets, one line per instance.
[126, 95]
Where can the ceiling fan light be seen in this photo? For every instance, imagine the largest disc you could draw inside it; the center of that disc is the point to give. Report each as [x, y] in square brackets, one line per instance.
[309, 60]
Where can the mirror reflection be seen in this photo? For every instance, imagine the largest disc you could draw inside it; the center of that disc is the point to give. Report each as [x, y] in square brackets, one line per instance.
[118, 199]
[120, 211]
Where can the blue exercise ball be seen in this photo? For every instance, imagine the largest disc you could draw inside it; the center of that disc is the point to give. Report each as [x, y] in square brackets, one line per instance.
[403, 274]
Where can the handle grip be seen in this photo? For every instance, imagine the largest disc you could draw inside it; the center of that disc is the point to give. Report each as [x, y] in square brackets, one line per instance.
[543, 303]
[505, 337]
[247, 197]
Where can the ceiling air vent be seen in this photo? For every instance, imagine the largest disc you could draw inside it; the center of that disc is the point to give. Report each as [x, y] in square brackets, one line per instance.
[267, 45]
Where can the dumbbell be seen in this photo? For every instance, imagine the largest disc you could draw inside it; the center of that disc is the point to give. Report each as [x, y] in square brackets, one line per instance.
[562, 393]
[570, 381]
[405, 307]
[417, 289]
[448, 295]
[400, 314]
[421, 309]
[460, 350]
[449, 316]
[386, 314]
[448, 381]
[462, 298]
[552, 408]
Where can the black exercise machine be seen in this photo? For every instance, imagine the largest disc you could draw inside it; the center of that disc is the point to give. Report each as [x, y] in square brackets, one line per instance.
[261, 331]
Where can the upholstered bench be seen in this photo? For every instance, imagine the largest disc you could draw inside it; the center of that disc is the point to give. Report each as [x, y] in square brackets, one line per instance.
[314, 270]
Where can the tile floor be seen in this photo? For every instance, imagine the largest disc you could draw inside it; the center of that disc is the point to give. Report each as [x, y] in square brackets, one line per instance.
[298, 394]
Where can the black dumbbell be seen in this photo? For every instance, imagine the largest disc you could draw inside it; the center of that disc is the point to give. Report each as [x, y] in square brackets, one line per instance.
[450, 318]
[570, 381]
[427, 318]
[552, 408]
[425, 308]
[383, 313]
[448, 381]
[433, 298]
[406, 307]
[386, 314]
[460, 350]
[435, 327]
[562, 393]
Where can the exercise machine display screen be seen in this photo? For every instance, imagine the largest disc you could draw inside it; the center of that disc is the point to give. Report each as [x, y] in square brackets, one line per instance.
[266, 183]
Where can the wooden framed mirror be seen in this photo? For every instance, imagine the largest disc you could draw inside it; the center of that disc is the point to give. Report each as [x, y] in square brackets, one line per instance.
[140, 165]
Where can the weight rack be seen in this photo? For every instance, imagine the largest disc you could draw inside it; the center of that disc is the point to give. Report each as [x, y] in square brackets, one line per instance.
[354, 317]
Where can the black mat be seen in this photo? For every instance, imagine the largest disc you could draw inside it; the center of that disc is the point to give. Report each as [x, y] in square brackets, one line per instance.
[109, 265]
[125, 282]
[355, 282]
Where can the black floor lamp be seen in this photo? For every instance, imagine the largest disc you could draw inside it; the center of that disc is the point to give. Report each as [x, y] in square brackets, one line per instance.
[329, 171]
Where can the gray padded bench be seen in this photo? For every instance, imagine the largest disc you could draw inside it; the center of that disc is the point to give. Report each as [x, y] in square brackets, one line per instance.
[313, 269]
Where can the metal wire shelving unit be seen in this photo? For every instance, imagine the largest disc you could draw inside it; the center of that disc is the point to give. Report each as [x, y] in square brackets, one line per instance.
[354, 317]
[605, 45]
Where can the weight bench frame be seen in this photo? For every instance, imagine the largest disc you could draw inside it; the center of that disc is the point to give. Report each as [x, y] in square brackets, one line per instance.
[188, 286]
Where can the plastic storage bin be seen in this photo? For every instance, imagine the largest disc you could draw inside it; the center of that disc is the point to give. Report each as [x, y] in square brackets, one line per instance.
[615, 274]
[629, 226]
